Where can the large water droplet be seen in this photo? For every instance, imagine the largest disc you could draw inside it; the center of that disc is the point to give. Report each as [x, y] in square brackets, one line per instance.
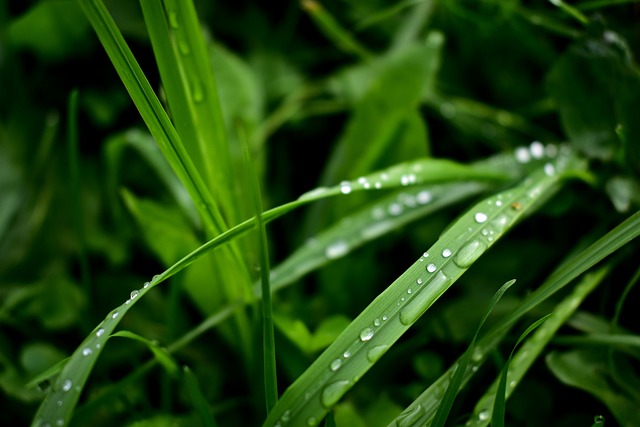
[345, 187]
[366, 334]
[374, 353]
[469, 253]
[337, 249]
[99, 332]
[480, 217]
[334, 391]
[431, 268]
[417, 306]
[335, 365]
[133, 294]
[86, 351]
[66, 385]
[410, 416]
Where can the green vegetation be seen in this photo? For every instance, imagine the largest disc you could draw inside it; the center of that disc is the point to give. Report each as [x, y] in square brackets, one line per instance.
[245, 214]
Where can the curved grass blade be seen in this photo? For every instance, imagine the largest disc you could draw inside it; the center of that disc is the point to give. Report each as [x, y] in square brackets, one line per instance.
[533, 347]
[161, 354]
[393, 312]
[500, 401]
[199, 401]
[460, 369]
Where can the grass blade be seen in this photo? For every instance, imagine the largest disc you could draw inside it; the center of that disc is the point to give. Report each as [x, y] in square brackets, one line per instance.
[460, 368]
[199, 401]
[393, 312]
[533, 347]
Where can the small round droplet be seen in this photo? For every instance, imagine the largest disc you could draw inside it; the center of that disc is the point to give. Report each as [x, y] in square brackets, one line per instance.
[345, 187]
[549, 169]
[311, 421]
[59, 422]
[86, 351]
[346, 354]
[146, 285]
[419, 281]
[480, 217]
[424, 197]
[115, 314]
[431, 268]
[99, 332]
[376, 322]
[134, 294]
[446, 253]
[384, 318]
[395, 209]
[426, 254]
[366, 334]
[409, 291]
[522, 155]
[59, 403]
[66, 385]
[483, 415]
[598, 419]
[335, 364]
[536, 149]
[512, 384]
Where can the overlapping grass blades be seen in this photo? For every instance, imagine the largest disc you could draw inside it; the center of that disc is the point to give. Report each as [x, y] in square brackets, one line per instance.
[393, 312]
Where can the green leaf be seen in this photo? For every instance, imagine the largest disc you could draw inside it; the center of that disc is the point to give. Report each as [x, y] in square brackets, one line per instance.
[588, 370]
[160, 353]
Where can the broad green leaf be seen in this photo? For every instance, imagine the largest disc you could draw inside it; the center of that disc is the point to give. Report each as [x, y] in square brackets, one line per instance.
[393, 312]
[596, 86]
[588, 371]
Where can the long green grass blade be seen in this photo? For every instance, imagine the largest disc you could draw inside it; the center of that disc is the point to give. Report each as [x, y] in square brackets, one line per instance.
[152, 112]
[199, 401]
[393, 312]
[161, 354]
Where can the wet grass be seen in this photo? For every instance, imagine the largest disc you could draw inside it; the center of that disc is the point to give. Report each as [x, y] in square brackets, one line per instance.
[302, 220]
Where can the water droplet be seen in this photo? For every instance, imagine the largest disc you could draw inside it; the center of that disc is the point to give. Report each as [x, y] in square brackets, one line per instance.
[446, 253]
[345, 187]
[426, 254]
[115, 314]
[337, 249]
[537, 149]
[366, 334]
[133, 294]
[549, 169]
[419, 281]
[431, 268]
[483, 415]
[512, 384]
[522, 155]
[128, 301]
[384, 318]
[410, 416]
[66, 385]
[99, 332]
[378, 185]
[551, 150]
[424, 197]
[98, 346]
[395, 209]
[155, 277]
[469, 253]
[423, 300]
[376, 322]
[197, 91]
[480, 217]
[286, 416]
[311, 421]
[346, 354]
[377, 213]
[59, 422]
[376, 353]
[384, 176]
[146, 285]
[409, 291]
[184, 48]
[484, 232]
[86, 351]
[335, 365]
[598, 419]
[59, 403]
[334, 391]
